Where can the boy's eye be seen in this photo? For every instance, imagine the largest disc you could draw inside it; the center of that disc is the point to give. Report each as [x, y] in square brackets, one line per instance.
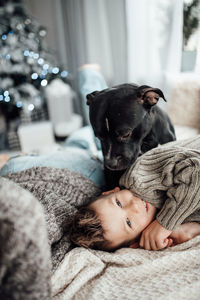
[128, 222]
[118, 203]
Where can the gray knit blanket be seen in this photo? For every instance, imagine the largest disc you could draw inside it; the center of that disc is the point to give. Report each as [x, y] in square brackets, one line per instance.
[34, 207]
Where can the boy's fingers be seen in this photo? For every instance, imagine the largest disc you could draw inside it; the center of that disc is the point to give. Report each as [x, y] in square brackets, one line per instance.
[147, 245]
[159, 244]
[154, 245]
[141, 243]
[165, 243]
[170, 242]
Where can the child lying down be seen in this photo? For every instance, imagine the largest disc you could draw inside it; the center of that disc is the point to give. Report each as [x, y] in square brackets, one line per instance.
[157, 207]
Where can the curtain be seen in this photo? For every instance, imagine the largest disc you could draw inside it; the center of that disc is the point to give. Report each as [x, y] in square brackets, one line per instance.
[93, 31]
[154, 37]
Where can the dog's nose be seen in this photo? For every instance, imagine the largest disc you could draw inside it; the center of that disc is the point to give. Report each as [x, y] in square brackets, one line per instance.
[113, 163]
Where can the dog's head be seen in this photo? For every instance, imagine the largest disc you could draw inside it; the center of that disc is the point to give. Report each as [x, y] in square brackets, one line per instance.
[121, 118]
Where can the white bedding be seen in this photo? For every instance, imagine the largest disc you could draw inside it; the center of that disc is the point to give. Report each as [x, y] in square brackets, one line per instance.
[173, 273]
[185, 132]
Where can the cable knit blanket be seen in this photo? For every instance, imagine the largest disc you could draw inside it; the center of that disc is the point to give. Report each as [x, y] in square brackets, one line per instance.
[172, 273]
[60, 192]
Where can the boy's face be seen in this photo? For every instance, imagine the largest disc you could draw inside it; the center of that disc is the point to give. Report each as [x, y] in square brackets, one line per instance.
[123, 216]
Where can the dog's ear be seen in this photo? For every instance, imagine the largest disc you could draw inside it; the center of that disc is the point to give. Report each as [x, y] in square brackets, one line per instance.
[91, 96]
[149, 96]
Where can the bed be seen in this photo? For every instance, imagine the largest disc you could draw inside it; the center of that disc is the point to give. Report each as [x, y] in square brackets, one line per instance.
[173, 273]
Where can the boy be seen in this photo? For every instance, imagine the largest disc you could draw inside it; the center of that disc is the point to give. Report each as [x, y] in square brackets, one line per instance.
[163, 184]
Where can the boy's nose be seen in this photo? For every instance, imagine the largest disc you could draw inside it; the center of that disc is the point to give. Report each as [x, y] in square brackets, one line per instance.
[133, 206]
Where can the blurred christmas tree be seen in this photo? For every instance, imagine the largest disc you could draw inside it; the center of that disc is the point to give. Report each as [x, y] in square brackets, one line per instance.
[26, 67]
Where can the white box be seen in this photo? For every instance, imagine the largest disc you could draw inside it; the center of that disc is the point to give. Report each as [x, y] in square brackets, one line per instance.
[37, 137]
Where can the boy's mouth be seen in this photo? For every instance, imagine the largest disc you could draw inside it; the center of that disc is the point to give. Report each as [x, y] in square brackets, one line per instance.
[146, 205]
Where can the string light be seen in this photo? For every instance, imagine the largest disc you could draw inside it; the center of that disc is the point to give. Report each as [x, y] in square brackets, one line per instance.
[46, 66]
[36, 56]
[44, 82]
[40, 61]
[64, 74]
[19, 104]
[4, 37]
[44, 72]
[31, 107]
[34, 76]
[27, 21]
[55, 70]
[26, 53]
[19, 26]
[7, 99]
[6, 93]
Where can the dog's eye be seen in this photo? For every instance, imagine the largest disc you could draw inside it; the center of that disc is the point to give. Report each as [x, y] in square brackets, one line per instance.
[122, 134]
[127, 135]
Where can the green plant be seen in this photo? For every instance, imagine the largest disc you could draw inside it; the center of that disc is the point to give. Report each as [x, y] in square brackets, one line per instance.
[191, 19]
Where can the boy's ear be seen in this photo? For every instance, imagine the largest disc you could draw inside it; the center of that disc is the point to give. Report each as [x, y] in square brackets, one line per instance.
[116, 189]
[134, 245]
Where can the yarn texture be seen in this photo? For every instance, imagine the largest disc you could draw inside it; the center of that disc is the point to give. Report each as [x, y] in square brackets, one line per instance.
[169, 178]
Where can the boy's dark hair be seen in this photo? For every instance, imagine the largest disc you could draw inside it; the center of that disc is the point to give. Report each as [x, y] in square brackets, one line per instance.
[85, 229]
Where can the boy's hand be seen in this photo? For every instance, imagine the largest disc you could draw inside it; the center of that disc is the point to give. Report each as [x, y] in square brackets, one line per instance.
[155, 237]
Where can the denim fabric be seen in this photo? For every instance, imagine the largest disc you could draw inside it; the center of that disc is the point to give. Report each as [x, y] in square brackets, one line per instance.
[81, 152]
[84, 138]
[89, 80]
[74, 159]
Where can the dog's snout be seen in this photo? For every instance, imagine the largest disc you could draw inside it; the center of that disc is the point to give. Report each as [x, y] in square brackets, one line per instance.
[113, 163]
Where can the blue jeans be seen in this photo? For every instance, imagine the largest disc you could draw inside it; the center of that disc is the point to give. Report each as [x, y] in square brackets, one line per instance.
[81, 152]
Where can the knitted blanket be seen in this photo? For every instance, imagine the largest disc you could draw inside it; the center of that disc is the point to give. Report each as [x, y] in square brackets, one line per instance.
[173, 273]
[60, 192]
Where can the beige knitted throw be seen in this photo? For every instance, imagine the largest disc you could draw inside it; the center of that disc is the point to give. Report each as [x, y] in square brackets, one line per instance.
[173, 273]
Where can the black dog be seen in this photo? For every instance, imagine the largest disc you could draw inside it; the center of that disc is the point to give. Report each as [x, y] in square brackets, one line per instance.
[128, 123]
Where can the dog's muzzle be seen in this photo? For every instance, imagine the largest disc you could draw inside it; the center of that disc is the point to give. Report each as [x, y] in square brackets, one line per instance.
[117, 163]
